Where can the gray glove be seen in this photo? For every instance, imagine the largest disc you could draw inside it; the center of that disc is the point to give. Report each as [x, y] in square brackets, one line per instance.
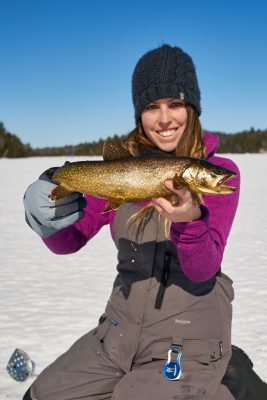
[48, 217]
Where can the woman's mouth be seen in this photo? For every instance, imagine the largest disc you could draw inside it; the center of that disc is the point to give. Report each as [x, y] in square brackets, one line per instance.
[167, 132]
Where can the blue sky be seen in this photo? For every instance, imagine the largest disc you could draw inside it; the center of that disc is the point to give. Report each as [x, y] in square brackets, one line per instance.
[66, 65]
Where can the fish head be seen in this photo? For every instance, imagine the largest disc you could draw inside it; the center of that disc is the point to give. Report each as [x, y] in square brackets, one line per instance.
[206, 178]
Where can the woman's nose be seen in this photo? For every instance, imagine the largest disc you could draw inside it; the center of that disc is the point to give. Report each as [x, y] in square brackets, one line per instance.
[164, 116]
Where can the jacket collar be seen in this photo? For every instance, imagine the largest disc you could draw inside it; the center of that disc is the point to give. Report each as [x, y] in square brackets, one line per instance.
[211, 142]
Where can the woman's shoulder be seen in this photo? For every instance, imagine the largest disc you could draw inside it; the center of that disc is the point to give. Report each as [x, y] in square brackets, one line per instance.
[211, 143]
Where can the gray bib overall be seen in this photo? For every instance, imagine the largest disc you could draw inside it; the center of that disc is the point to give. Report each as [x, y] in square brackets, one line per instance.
[152, 307]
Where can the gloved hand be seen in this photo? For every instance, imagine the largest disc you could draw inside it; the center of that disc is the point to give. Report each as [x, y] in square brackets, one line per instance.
[48, 217]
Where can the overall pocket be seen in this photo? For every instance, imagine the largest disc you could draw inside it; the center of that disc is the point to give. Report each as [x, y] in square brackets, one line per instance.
[109, 334]
[200, 354]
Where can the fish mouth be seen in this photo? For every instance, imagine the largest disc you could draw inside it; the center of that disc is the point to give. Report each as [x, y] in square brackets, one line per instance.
[219, 186]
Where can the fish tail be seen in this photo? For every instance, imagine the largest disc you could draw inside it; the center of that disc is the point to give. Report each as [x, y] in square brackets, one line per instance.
[59, 192]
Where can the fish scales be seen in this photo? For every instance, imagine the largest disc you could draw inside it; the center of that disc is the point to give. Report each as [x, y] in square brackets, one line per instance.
[127, 179]
[122, 178]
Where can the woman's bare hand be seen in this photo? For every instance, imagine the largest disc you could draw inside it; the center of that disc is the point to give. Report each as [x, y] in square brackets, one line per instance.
[181, 207]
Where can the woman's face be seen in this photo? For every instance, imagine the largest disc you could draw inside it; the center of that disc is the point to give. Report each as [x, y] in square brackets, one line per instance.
[164, 122]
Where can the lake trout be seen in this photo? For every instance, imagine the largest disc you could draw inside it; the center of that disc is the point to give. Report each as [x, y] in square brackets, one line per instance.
[122, 178]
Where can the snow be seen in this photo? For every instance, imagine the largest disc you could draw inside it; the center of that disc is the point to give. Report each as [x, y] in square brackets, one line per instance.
[48, 301]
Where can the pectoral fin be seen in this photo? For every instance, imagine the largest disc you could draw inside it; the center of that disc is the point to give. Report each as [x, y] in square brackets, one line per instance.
[113, 151]
[177, 184]
[112, 204]
[59, 192]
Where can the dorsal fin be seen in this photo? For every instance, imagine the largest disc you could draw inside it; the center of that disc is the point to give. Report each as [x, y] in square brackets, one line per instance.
[113, 151]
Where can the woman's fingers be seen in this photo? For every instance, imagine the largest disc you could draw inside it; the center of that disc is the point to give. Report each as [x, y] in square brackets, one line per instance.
[169, 184]
[175, 200]
[181, 206]
[164, 205]
[183, 194]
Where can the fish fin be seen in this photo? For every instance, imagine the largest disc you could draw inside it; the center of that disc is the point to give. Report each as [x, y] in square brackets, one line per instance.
[198, 197]
[177, 182]
[112, 204]
[113, 151]
[59, 192]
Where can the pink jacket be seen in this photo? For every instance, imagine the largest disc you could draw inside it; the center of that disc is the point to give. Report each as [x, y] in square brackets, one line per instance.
[200, 244]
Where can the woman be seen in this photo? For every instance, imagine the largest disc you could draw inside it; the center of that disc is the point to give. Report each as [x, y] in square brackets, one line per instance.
[170, 298]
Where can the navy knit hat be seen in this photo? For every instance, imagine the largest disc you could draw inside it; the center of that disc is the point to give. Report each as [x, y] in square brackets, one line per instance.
[164, 72]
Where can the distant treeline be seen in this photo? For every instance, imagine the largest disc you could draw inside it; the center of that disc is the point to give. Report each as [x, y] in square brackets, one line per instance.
[251, 141]
[11, 145]
[82, 149]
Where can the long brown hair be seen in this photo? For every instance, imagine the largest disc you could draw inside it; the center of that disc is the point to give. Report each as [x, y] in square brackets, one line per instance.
[191, 144]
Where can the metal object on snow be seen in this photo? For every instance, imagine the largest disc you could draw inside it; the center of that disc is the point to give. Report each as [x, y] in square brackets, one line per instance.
[20, 366]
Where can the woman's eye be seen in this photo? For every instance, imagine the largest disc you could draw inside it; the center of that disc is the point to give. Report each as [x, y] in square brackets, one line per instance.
[151, 107]
[176, 104]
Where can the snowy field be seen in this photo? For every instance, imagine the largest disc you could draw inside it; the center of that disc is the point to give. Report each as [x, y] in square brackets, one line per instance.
[48, 301]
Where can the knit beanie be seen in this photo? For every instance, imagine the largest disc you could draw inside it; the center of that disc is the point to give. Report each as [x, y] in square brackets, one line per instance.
[164, 72]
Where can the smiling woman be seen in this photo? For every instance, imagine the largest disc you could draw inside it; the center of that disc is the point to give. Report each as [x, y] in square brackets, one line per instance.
[138, 347]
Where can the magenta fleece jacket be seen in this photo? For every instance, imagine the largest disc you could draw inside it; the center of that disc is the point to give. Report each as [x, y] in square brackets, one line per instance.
[200, 244]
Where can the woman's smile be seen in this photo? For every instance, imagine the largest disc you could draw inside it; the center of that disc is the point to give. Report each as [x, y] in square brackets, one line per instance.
[167, 133]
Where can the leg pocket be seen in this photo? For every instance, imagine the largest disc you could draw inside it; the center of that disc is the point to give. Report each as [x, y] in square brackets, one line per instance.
[109, 334]
[199, 354]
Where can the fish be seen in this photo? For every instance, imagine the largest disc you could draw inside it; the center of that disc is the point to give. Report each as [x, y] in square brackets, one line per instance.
[122, 178]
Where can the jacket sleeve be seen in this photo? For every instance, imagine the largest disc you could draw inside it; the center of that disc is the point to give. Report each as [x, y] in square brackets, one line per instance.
[200, 244]
[74, 237]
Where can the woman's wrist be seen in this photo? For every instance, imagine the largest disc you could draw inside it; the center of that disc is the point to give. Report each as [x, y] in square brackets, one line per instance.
[194, 215]
[197, 214]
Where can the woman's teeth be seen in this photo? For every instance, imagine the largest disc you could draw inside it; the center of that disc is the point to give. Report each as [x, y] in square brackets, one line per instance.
[167, 133]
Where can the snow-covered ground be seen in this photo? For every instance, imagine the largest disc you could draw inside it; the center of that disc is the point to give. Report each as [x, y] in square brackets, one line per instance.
[48, 301]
